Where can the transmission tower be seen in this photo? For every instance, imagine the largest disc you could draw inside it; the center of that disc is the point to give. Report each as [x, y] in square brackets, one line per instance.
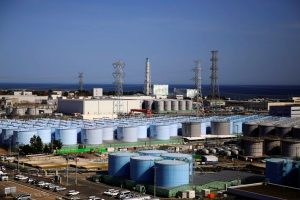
[147, 84]
[197, 81]
[214, 87]
[118, 75]
[80, 77]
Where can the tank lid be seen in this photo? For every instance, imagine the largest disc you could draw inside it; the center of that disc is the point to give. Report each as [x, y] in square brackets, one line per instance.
[177, 155]
[123, 153]
[153, 151]
[146, 158]
[170, 162]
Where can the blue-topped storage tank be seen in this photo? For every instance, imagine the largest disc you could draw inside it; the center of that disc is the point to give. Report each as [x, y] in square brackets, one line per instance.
[108, 133]
[160, 131]
[142, 131]
[91, 136]
[22, 137]
[7, 134]
[45, 134]
[128, 133]
[171, 173]
[141, 168]
[180, 156]
[152, 152]
[173, 130]
[119, 163]
[67, 136]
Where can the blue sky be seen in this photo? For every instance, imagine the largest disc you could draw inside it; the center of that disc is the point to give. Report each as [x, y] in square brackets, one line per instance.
[51, 41]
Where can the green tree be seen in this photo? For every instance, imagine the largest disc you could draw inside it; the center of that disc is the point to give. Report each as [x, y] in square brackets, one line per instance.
[36, 144]
[47, 149]
[25, 149]
[56, 144]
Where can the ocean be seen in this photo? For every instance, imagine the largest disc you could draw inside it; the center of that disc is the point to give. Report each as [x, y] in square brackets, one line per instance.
[231, 91]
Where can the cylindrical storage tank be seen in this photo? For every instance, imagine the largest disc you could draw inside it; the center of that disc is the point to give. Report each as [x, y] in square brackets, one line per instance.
[283, 130]
[180, 156]
[296, 132]
[142, 131]
[129, 134]
[171, 173]
[250, 129]
[152, 152]
[266, 129]
[19, 111]
[160, 131]
[22, 137]
[141, 168]
[290, 148]
[272, 146]
[253, 147]
[119, 163]
[173, 130]
[67, 136]
[45, 135]
[108, 133]
[220, 127]
[181, 105]
[159, 106]
[189, 105]
[174, 105]
[148, 104]
[92, 136]
[167, 105]
[31, 111]
[193, 129]
[7, 134]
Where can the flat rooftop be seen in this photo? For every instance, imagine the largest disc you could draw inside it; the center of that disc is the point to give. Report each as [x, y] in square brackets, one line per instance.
[265, 191]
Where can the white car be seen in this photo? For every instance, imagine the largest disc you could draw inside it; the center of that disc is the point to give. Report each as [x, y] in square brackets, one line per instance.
[94, 198]
[21, 177]
[59, 188]
[111, 192]
[73, 192]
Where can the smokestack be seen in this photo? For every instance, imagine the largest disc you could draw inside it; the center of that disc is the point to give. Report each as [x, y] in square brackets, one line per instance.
[147, 85]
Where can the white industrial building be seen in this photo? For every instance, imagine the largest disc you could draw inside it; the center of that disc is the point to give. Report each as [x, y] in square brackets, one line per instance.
[186, 93]
[98, 108]
[160, 91]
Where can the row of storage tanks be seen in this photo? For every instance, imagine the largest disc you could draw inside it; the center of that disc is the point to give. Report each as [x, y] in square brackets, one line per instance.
[168, 169]
[273, 136]
[168, 105]
[98, 131]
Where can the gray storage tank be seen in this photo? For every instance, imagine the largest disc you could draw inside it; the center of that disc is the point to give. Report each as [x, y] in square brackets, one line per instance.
[141, 168]
[22, 137]
[266, 129]
[296, 132]
[182, 105]
[250, 129]
[290, 148]
[174, 105]
[220, 127]
[189, 105]
[167, 105]
[272, 146]
[67, 136]
[45, 134]
[191, 129]
[159, 106]
[283, 130]
[253, 147]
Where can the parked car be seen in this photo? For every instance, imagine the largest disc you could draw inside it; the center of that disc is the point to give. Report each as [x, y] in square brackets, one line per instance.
[23, 196]
[20, 177]
[29, 180]
[111, 192]
[123, 194]
[94, 198]
[59, 188]
[73, 192]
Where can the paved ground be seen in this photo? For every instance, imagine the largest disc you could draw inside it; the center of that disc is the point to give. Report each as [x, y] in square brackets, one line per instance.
[22, 188]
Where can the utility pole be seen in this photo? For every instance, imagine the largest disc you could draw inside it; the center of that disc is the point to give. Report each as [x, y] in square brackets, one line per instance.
[67, 169]
[147, 85]
[119, 75]
[197, 82]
